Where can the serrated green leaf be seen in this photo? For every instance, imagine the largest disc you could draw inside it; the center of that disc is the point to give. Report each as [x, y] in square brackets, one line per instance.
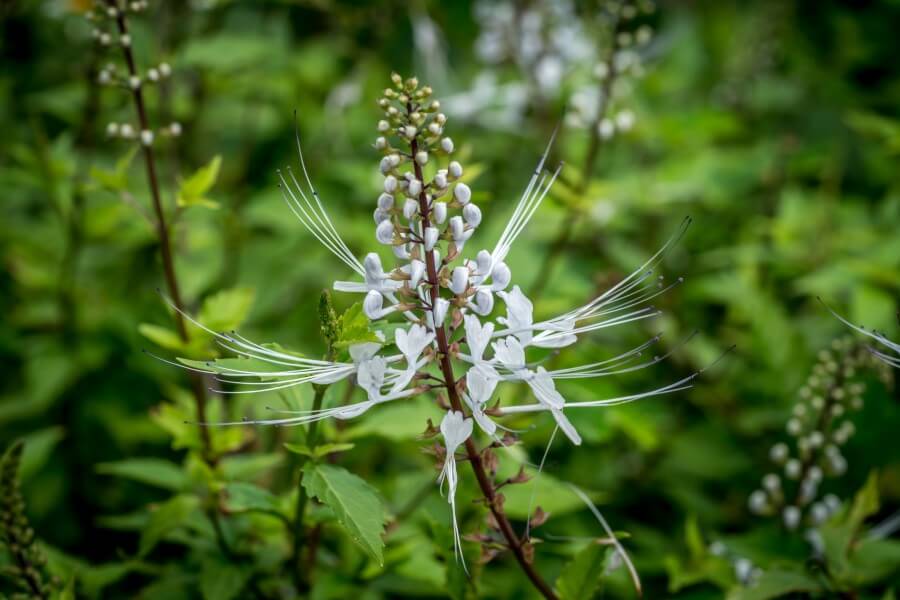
[226, 310]
[152, 471]
[161, 336]
[168, 516]
[241, 497]
[319, 451]
[193, 190]
[580, 578]
[355, 504]
[117, 179]
[355, 327]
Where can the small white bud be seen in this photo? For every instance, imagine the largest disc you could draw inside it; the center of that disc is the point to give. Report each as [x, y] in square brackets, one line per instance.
[606, 128]
[792, 468]
[455, 170]
[112, 12]
[459, 281]
[380, 215]
[816, 439]
[483, 303]
[462, 193]
[791, 517]
[500, 277]
[818, 513]
[440, 180]
[372, 305]
[134, 82]
[175, 129]
[447, 145]
[457, 228]
[104, 39]
[643, 35]
[743, 569]
[394, 159]
[416, 272]
[380, 143]
[401, 251]
[126, 131]
[147, 137]
[778, 453]
[472, 215]
[431, 237]
[440, 118]
[125, 40]
[112, 129]
[832, 502]
[385, 201]
[410, 132]
[390, 184]
[164, 69]
[758, 502]
[422, 157]
[815, 473]
[414, 188]
[383, 126]
[153, 75]
[771, 482]
[440, 311]
[384, 233]
[625, 120]
[439, 212]
[385, 165]
[410, 208]
[601, 71]
[794, 427]
[434, 128]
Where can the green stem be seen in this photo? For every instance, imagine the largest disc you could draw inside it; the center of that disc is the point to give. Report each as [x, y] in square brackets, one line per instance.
[312, 436]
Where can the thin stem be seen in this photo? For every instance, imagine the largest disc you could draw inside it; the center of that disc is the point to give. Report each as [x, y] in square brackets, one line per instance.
[312, 437]
[484, 482]
[162, 230]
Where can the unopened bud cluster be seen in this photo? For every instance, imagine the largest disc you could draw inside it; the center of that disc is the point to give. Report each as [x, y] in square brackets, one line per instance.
[818, 427]
[422, 189]
[112, 18]
[598, 103]
[744, 570]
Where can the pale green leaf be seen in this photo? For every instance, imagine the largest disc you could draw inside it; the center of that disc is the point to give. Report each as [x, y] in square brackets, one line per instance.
[156, 472]
[193, 190]
[580, 578]
[355, 504]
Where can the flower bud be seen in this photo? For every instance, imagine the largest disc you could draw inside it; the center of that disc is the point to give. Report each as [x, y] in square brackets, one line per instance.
[483, 303]
[758, 502]
[152, 74]
[440, 180]
[112, 129]
[447, 145]
[771, 482]
[401, 251]
[410, 132]
[126, 131]
[791, 517]
[440, 118]
[459, 281]
[455, 169]
[625, 120]
[372, 305]
[778, 453]
[500, 277]
[415, 188]
[410, 208]
[385, 165]
[134, 82]
[394, 159]
[792, 468]
[164, 69]
[462, 193]
[434, 128]
[457, 227]
[431, 238]
[385, 201]
[384, 233]
[818, 513]
[416, 271]
[422, 157]
[440, 311]
[390, 184]
[472, 215]
[381, 215]
[380, 143]
[606, 129]
[383, 126]
[439, 212]
[147, 137]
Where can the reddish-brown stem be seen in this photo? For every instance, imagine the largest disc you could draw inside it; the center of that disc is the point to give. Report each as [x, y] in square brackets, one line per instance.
[162, 228]
[474, 456]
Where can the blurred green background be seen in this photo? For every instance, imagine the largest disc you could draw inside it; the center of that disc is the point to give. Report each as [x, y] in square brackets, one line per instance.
[775, 125]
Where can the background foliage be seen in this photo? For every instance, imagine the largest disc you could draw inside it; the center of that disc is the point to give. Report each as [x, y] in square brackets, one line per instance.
[773, 124]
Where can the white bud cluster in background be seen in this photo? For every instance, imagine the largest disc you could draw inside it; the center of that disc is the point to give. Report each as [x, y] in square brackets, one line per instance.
[589, 62]
[818, 428]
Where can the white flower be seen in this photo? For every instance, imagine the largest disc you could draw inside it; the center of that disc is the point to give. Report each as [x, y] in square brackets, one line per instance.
[472, 215]
[439, 213]
[462, 193]
[456, 429]
[459, 281]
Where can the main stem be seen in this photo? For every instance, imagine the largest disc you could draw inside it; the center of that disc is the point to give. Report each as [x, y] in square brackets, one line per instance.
[162, 231]
[312, 437]
[474, 456]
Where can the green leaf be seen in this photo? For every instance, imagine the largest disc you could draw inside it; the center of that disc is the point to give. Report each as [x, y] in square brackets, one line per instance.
[221, 580]
[355, 327]
[226, 310]
[580, 578]
[355, 503]
[38, 449]
[152, 471]
[117, 179]
[776, 583]
[242, 497]
[319, 451]
[161, 336]
[170, 515]
[193, 190]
